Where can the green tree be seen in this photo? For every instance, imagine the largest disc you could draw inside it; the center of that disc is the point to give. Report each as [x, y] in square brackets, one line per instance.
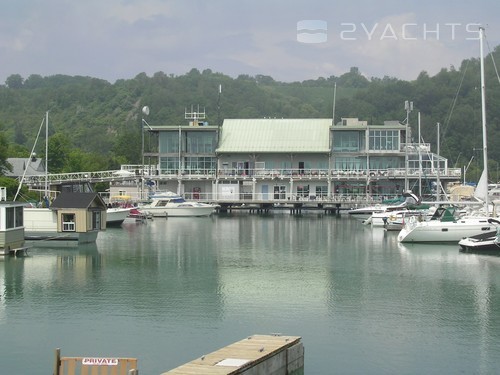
[59, 149]
[14, 81]
[4, 164]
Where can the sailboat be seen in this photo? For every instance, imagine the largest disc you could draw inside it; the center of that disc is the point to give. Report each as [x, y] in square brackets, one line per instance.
[446, 225]
[72, 218]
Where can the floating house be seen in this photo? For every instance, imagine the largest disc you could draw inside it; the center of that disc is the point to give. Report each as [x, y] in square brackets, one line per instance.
[72, 218]
[11, 225]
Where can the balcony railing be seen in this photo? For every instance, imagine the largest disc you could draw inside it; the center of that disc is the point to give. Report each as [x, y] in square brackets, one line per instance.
[299, 173]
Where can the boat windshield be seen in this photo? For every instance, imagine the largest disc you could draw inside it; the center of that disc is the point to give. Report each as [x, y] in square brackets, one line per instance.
[178, 200]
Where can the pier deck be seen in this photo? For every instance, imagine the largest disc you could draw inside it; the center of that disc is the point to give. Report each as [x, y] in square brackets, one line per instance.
[261, 353]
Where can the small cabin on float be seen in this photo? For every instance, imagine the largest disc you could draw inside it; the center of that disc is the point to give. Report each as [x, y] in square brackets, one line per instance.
[72, 218]
[11, 225]
[79, 212]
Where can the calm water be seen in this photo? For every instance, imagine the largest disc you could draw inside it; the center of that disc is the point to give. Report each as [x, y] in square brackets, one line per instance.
[174, 289]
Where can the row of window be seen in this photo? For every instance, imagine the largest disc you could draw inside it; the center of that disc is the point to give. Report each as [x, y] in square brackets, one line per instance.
[343, 141]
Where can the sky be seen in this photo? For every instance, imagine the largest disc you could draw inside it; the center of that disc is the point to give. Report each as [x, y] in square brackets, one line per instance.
[289, 40]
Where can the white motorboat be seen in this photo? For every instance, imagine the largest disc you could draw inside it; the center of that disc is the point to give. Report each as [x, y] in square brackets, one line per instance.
[363, 213]
[410, 205]
[444, 226]
[381, 219]
[488, 242]
[171, 204]
[115, 216]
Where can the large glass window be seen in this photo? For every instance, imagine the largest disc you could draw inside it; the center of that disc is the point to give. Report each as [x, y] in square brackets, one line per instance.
[200, 142]
[200, 164]
[386, 162]
[348, 141]
[350, 163]
[169, 165]
[169, 142]
[384, 140]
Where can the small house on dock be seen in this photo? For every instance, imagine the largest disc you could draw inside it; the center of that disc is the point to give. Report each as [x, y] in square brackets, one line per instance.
[72, 218]
[11, 225]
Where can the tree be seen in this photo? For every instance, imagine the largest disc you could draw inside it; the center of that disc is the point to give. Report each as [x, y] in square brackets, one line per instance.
[4, 164]
[59, 150]
[14, 81]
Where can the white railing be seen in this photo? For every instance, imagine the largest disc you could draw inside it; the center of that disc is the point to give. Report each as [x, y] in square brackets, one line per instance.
[131, 176]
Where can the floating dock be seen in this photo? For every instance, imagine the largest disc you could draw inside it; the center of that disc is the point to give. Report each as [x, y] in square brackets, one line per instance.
[257, 354]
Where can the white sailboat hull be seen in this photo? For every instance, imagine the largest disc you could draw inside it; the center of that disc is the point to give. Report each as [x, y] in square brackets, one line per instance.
[438, 231]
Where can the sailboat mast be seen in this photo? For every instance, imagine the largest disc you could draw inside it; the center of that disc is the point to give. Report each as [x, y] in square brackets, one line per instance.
[46, 154]
[483, 113]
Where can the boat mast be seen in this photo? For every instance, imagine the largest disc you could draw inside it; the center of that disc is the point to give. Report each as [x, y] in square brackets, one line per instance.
[46, 155]
[438, 181]
[483, 115]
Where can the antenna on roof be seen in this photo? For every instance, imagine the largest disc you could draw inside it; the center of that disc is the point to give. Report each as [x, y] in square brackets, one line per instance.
[334, 99]
[195, 116]
[218, 105]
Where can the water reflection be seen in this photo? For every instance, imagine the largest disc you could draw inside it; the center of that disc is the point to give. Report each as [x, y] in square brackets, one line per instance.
[172, 289]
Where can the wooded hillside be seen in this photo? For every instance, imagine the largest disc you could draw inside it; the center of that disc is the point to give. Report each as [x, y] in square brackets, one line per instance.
[95, 124]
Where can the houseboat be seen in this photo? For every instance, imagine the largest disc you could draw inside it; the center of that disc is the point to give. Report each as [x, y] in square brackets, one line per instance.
[11, 225]
[71, 219]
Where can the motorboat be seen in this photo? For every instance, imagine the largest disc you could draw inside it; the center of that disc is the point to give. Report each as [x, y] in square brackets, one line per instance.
[380, 219]
[446, 225]
[170, 204]
[411, 206]
[364, 213]
[396, 220]
[115, 216]
[488, 242]
[138, 216]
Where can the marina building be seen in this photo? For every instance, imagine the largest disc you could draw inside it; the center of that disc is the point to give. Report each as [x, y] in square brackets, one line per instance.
[282, 160]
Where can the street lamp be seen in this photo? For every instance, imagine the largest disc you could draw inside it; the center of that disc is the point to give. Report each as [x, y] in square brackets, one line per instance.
[145, 112]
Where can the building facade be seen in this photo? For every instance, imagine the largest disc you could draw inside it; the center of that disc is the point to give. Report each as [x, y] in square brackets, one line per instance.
[285, 159]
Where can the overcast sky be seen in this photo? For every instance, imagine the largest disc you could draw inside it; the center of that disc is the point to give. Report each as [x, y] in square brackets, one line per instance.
[114, 39]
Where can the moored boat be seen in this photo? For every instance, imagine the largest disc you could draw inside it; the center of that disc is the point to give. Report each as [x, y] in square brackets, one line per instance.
[115, 216]
[444, 226]
[171, 204]
[488, 242]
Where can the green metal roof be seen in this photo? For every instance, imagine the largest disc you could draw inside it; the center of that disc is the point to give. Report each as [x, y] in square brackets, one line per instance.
[275, 135]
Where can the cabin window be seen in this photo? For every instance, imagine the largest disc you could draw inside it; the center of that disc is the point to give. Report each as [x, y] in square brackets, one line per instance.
[68, 223]
[9, 217]
[19, 217]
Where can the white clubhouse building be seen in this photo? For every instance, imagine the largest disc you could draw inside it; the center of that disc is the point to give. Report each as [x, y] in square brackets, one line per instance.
[284, 159]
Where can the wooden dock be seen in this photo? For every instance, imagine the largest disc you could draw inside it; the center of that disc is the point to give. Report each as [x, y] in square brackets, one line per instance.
[257, 354]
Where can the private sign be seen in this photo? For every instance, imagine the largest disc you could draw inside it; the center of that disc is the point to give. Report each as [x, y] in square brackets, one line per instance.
[100, 361]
